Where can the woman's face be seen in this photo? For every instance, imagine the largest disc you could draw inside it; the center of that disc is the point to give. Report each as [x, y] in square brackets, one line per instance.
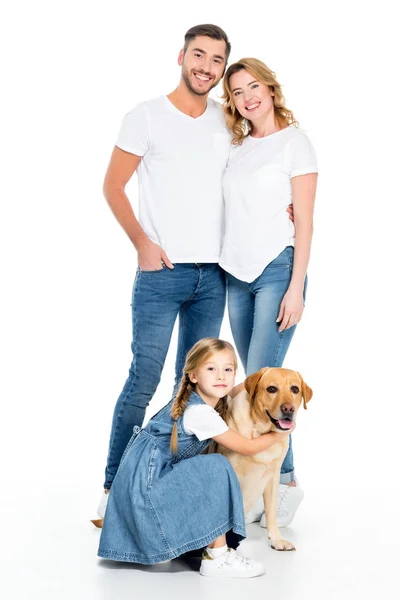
[252, 98]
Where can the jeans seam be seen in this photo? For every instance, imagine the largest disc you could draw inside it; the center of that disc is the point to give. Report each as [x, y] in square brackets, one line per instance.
[199, 283]
[278, 348]
[111, 452]
[182, 319]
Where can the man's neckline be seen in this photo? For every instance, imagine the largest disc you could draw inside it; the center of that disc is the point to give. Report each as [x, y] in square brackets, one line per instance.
[172, 105]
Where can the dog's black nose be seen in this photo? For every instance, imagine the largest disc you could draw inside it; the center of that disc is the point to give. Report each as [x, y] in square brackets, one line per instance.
[287, 409]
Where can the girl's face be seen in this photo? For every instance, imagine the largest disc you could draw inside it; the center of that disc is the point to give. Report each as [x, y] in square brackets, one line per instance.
[216, 377]
[253, 99]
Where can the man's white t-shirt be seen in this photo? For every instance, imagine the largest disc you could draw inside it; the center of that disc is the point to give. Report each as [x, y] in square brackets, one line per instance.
[203, 421]
[257, 192]
[180, 176]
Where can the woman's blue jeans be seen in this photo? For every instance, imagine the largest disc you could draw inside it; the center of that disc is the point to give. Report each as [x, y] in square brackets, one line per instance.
[253, 310]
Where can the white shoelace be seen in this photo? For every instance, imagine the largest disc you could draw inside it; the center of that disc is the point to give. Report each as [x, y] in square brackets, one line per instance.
[282, 503]
[232, 557]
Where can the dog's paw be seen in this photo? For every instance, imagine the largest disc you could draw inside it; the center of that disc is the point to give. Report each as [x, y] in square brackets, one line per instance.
[282, 545]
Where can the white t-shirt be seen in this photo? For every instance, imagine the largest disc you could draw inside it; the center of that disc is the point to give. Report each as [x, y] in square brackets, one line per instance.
[203, 421]
[257, 192]
[180, 176]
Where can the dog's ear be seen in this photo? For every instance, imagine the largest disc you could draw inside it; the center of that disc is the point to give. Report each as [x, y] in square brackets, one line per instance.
[306, 391]
[250, 383]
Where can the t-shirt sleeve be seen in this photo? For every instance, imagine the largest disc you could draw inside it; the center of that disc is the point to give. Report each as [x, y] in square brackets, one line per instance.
[303, 159]
[134, 135]
[203, 421]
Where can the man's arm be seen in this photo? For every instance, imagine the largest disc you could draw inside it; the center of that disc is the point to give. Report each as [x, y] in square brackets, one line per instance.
[120, 170]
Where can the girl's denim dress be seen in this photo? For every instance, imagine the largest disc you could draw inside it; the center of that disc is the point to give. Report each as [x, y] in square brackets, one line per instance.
[163, 505]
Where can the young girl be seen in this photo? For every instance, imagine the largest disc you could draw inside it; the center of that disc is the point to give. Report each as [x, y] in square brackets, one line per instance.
[167, 498]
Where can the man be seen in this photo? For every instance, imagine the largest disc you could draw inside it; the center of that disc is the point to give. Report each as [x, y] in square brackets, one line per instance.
[179, 146]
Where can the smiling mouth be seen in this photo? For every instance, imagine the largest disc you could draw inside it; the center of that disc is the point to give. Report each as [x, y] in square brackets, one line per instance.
[253, 106]
[202, 78]
[282, 424]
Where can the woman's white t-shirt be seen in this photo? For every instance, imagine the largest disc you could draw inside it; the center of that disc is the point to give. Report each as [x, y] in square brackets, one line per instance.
[257, 192]
[203, 421]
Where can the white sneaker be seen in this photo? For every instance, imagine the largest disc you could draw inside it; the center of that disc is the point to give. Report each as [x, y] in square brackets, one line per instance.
[101, 509]
[230, 564]
[289, 500]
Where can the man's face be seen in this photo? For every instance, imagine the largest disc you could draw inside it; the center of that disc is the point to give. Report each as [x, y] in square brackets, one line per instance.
[203, 64]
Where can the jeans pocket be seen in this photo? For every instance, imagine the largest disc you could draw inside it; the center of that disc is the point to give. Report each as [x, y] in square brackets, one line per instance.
[153, 270]
[284, 260]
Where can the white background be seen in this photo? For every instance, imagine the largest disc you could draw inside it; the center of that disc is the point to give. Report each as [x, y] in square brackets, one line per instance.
[70, 71]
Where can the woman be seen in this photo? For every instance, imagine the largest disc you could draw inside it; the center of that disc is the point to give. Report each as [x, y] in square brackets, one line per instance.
[271, 165]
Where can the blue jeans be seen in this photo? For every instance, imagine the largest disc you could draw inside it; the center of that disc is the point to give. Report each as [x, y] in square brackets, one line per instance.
[195, 292]
[253, 310]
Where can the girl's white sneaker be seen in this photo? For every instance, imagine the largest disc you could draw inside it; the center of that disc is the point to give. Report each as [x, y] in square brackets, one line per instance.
[230, 564]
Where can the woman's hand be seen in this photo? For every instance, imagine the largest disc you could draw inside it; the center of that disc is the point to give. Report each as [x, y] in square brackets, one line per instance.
[291, 309]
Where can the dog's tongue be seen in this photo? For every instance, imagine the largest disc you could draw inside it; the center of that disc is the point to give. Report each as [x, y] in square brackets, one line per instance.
[285, 423]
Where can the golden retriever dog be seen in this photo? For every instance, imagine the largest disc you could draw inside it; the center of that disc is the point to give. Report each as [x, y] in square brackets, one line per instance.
[269, 402]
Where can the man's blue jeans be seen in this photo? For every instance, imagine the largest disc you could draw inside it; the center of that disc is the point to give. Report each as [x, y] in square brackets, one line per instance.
[195, 292]
[253, 310]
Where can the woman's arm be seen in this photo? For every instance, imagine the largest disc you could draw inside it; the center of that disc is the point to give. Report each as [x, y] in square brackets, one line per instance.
[303, 195]
[236, 442]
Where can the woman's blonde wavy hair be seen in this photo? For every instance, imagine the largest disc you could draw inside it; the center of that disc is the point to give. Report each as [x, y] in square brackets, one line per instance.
[197, 355]
[240, 126]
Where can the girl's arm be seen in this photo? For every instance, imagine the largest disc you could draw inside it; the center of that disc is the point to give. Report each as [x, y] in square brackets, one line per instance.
[236, 442]
[303, 194]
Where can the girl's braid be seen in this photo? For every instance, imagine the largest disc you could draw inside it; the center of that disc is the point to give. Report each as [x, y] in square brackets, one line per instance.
[178, 406]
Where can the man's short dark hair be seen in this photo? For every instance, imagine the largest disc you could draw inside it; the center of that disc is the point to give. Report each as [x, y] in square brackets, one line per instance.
[212, 31]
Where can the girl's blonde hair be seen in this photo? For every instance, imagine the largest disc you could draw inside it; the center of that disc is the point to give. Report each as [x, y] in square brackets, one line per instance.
[197, 355]
[240, 126]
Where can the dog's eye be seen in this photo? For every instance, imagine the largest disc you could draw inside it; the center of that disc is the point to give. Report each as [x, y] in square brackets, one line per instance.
[272, 389]
[295, 389]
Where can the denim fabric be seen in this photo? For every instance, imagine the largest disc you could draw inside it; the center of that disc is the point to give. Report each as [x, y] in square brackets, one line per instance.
[163, 505]
[195, 292]
[253, 310]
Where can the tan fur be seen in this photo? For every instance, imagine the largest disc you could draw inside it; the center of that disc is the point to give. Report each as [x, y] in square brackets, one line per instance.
[259, 474]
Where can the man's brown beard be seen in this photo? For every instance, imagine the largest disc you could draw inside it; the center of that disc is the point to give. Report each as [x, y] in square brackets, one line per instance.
[186, 79]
